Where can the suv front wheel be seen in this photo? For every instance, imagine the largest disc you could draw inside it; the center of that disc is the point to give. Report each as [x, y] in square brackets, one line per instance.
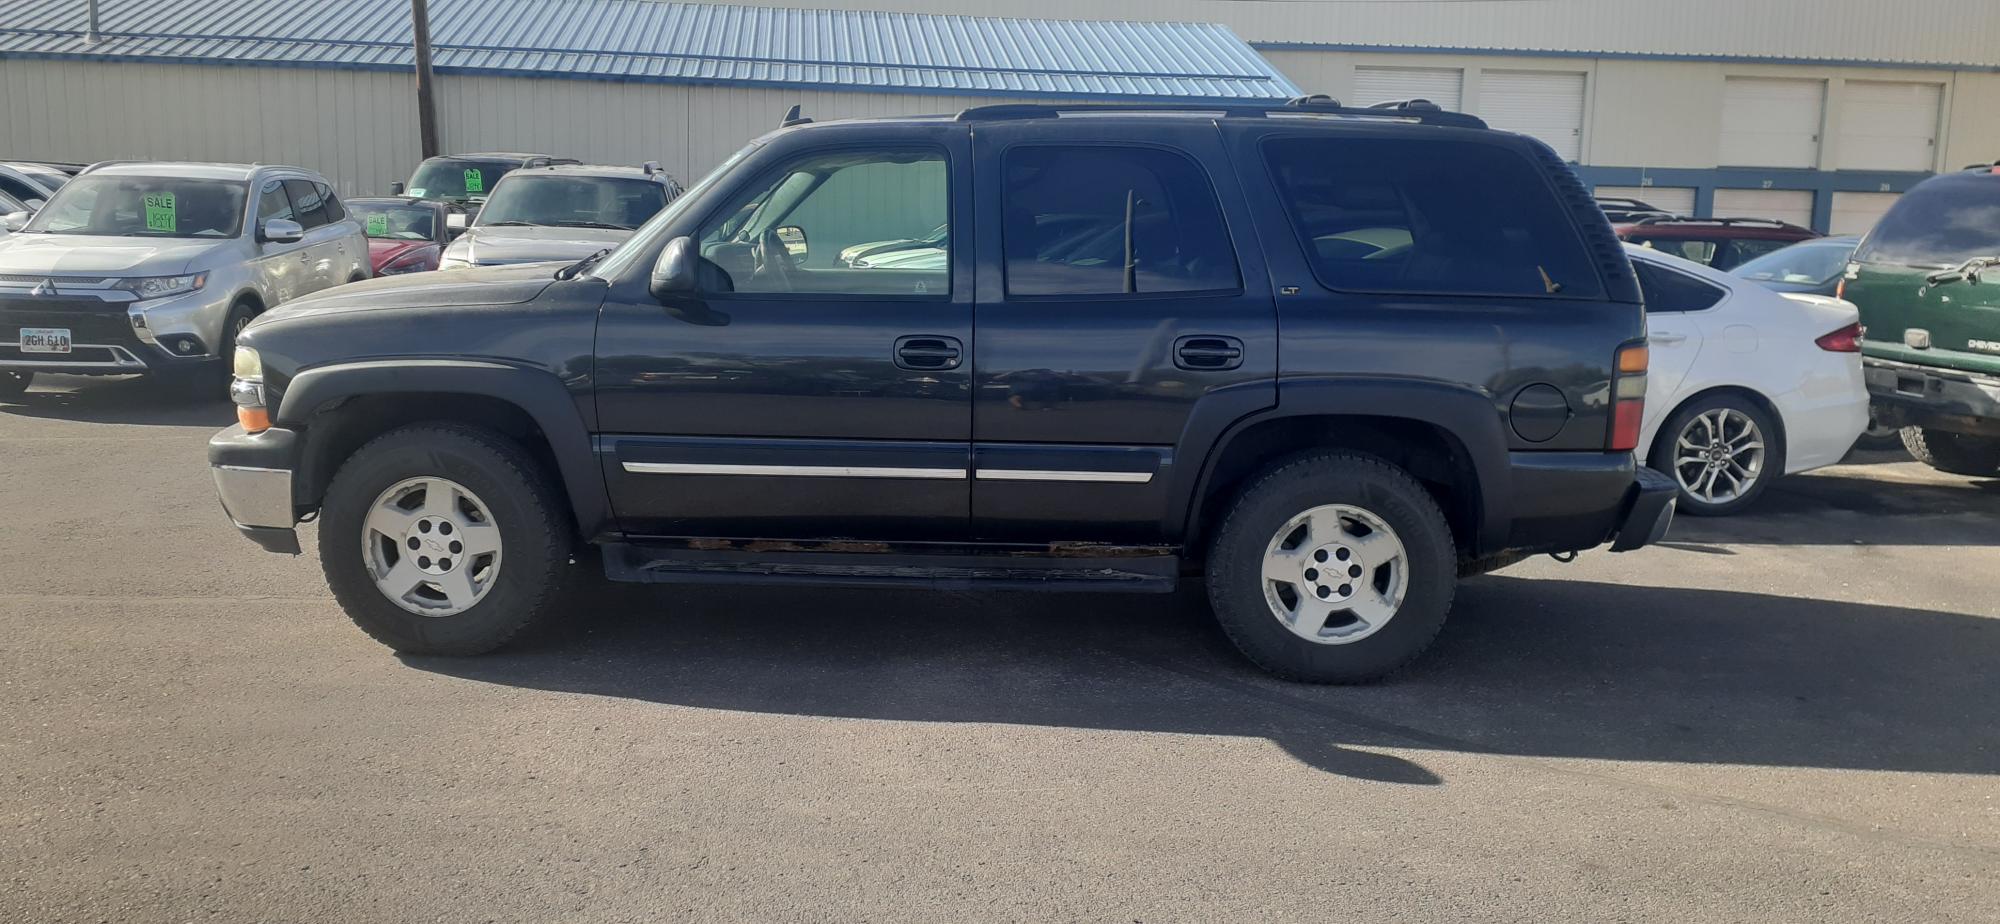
[1333, 567]
[440, 539]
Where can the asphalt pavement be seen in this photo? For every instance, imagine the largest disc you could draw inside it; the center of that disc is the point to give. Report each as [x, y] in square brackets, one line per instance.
[1793, 715]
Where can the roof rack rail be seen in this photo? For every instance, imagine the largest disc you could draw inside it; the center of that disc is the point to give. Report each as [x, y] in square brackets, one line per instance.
[1772, 222]
[1422, 111]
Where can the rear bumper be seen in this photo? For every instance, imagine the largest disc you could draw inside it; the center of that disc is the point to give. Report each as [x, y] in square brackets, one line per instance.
[1909, 395]
[253, 479]
[1567, 501]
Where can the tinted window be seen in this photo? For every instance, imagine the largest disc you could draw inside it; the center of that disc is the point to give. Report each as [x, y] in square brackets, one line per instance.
[334, 210]
[452, 179]
[1666, 290]
[144, 206]
[20, 190]
[273, 203]
[1811, 263]
[395, 220]
[1110, 220]
[869, 223]
[1942, 222]
[307, 205]
[1423, 215]
[565, 200]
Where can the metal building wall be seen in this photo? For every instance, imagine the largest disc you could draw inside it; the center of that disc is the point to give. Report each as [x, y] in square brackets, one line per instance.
[359, 128]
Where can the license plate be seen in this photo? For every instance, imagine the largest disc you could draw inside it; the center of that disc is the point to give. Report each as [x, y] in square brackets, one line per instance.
[44, 339]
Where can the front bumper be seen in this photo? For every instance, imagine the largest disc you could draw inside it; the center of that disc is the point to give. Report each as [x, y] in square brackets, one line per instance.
[113, 336]
[1909, 395]
[254, 480]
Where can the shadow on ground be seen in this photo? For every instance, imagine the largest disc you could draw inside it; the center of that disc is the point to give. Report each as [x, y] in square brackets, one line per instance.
[1526, 667]
[141, 400]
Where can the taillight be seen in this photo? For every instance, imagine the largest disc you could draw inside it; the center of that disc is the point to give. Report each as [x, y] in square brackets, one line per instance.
[1844, 340]
[1628, 391]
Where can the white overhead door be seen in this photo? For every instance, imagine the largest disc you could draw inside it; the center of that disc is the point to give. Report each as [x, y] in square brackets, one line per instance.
[1771, 122]
[1440, 85]
[1676, 199]
[1857, 212]
[1546, 105]
[1888, 126]
[1793, 205]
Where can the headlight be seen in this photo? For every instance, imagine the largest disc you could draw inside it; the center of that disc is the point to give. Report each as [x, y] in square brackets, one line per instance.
[162, 286]
[249, 365]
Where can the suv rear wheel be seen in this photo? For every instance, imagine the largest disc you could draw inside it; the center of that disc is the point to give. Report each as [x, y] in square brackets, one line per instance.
[442, 539]
[1333, 567]
[1955, 453]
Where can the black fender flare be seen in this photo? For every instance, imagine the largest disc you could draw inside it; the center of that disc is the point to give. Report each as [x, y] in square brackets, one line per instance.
[537, 392]
[1465, 413]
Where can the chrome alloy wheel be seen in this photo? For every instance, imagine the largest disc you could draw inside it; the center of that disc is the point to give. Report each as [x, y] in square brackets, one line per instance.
[431, 546]
[1335, 574]
[1718, 455]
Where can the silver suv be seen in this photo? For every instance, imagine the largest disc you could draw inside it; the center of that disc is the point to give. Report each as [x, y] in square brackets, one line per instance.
[154, 267]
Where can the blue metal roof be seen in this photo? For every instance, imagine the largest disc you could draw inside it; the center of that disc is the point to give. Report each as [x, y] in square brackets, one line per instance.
[677, 42]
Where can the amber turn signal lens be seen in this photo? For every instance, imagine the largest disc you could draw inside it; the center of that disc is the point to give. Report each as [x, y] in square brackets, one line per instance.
[253, 419]
[1632, 358]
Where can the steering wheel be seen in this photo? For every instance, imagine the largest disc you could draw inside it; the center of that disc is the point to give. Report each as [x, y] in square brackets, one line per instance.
[770, 262]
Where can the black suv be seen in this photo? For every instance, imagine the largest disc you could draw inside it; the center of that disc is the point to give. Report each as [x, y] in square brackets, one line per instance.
[1329, 359]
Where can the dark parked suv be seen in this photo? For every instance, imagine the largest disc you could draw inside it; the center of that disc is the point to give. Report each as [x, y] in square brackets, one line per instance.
[1328, 359]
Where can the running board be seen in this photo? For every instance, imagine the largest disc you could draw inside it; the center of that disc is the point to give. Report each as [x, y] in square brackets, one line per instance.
[940, 566]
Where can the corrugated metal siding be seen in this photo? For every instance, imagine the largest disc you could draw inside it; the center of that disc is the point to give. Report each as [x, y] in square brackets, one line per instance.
[685, 42]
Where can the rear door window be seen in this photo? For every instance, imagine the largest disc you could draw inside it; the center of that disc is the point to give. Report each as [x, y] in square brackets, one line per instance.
[273, 202]
[1421, 215]
[307, 204]
[1667, 291]
[1112, 220]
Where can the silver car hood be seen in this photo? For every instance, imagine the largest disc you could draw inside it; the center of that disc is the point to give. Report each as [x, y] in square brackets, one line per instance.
[89, 255]
[531, 244]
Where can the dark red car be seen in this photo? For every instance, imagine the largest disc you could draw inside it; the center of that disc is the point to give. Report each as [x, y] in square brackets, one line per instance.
[405, 234]
[1722, 243]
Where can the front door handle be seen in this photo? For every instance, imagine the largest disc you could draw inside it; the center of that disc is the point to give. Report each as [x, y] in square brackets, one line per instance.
[1206, 352]
[924, 352]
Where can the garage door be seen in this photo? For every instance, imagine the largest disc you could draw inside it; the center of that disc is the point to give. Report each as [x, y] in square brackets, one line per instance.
[1440, 85]
[1676, 199]
[1888, 126]
[1793, 205]
[1856, 212]
[1771, 122]
[1548, 106]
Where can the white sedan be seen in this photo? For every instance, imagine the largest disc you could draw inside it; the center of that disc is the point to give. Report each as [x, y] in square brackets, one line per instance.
[1744, 384]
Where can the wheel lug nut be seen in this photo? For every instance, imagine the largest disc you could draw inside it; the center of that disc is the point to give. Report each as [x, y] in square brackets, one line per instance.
[444, 564]
[1323, 591]
[414, 544]
[1319, 555]
[423, 526]
[1312, 574]
[456, 547]
[423, 562]
[444, 528]
[1353, 570]
[1343, 554]
[1346, 589]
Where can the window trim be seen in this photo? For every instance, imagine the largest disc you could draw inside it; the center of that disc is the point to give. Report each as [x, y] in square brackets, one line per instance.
[1306, 249]
[1228, 233]
[1724, 292]
[770, 175]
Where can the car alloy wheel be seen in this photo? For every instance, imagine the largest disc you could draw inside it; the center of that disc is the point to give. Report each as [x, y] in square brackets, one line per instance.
[1335, 574]
[431, 546]
[1718, 455]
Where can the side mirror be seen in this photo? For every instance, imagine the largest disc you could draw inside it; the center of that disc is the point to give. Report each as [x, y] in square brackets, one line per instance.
[280, 231]
[673, 272]
[794, 239]
[396, 188]
[14, 221]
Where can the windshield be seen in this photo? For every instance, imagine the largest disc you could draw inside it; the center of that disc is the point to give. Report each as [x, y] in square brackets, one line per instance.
[648, 237]
[453, 179]
[1810, 263]
[394, 221]
[1943, 222]
[144, 206]
[567, 201]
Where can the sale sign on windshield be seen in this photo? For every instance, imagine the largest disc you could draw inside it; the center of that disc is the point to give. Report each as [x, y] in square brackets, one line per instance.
[160, 212]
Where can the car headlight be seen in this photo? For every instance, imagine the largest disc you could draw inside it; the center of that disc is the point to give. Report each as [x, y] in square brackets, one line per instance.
[162, 286]
[249, 366]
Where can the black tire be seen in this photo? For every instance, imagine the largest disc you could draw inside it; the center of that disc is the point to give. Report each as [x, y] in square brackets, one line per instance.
[525, 507]
[1772, 466]
[1236, 586]
[15, 384]
[1955, 453]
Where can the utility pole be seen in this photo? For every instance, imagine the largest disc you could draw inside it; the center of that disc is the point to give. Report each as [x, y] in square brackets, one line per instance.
[427, 126]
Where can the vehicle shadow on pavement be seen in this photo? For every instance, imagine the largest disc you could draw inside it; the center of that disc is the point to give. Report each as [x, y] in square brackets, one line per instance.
[1536, 668]
[130, 400]
[1848, 507]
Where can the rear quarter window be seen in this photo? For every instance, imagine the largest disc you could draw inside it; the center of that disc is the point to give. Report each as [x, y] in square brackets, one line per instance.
[1428, 216]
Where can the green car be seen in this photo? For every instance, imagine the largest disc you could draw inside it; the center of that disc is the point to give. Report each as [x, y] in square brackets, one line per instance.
[1927, 280]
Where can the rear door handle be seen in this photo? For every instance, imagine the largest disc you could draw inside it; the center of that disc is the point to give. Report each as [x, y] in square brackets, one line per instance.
[1207, 352]
[1668, 339]
[927, 352]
